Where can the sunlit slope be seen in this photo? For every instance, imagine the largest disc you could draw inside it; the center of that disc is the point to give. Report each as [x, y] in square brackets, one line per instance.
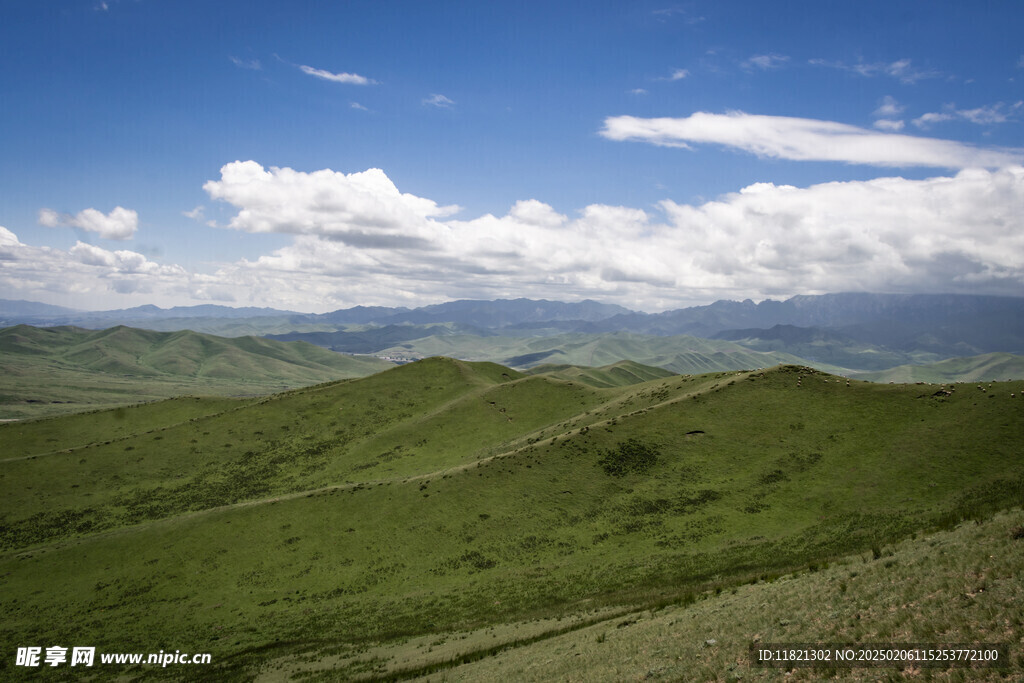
[621, 374]
[255, 545]
[957, 586]
[61, 369]
[985, 368]
[680, 354]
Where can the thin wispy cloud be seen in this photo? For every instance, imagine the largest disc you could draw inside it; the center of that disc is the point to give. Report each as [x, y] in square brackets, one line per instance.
[765, 62]
[638, 91]
[889, 125]
[902, 69]
[889, 107]
[676, 75]
[352, 79]
[887, 111]
[680, 13]
[437, 100]
[983, 116]
[252, 64]
[356, 105]
[783, 137]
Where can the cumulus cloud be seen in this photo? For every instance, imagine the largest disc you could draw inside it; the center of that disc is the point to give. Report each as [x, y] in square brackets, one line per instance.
[888, 234]
[360, 208]
[960, 233]
[353, 79]
[86, 274]
[357, 239]
[119, 224]
[805, 140]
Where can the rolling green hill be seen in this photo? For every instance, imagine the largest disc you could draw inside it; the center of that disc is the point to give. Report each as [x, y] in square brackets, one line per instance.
[986, 368]
[344, 525]
[621, 374]
[50, 370]
[678, 354]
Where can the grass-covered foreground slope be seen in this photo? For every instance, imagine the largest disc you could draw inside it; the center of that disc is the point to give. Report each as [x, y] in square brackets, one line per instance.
[348, 522]
[950, 587]
[51, 370]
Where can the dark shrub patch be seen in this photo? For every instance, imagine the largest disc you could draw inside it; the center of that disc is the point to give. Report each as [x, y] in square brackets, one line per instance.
[631, 456]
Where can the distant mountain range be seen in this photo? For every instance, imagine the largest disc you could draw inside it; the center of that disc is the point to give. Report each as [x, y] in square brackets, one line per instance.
[856, 331]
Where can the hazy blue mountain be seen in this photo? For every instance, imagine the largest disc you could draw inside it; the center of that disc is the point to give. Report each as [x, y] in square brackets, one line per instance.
[509, 312]
[371, 339]
[857, 330]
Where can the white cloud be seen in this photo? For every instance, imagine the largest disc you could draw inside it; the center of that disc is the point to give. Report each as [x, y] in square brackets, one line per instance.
[638, 91]
[87, 275]
[251, 64]
[992, 114]
[119, 224]
[889, 107]
[926, 120]
[961, 233]
[676, 75]
[889, 125]
[888, 234]
[437, 100]
[8, 238]
[49, 218]
[361, 208]
[805, 140]
[902, 69]
[353, 79]
[765, 62]
[195, 214]
[358, 240]
[356, 105]
[670, 12]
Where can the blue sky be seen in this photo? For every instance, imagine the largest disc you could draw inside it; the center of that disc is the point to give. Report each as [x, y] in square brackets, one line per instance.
[320, 155]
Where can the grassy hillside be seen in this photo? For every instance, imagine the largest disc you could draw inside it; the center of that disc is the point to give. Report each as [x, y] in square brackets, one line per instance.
[678, 354]
[959, 586]
[621, 374]
[349, 522]
[986, 368]
[63, 369]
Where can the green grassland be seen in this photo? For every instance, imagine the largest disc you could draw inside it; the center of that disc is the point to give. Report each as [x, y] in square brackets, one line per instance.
[681, 354]
[621, 374]
[382, 524]
[56, 370]
[984, 368]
